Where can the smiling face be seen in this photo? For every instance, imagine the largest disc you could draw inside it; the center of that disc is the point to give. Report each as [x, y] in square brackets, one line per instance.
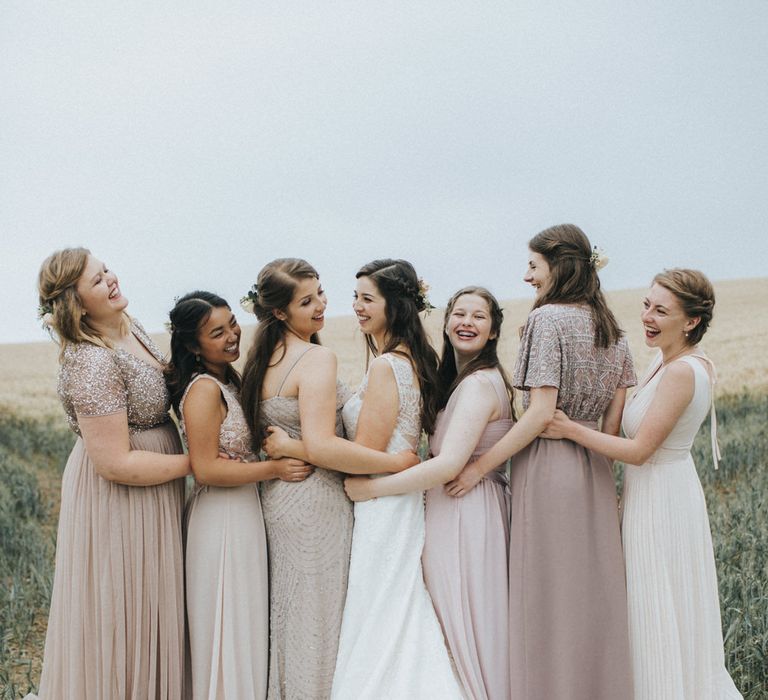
[538, 274]
[469, 326]
[99, 291]
[305, 315]
[218, 340]
[664, 321]
[370, 307]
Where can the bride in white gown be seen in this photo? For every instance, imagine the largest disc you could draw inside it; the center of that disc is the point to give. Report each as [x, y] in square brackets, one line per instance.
[391, 644]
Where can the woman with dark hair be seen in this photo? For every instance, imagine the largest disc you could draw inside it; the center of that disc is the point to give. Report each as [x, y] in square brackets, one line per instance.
[226, 549]
[567, 602]
[391, 644]
[116, 621]
[675, 631]
[467, 539]
[289, 382]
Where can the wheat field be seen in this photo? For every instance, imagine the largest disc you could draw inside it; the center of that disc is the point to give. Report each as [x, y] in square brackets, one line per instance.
[736, 342]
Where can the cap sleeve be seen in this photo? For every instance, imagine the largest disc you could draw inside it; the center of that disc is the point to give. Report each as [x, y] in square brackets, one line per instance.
[92, 381]
[628, 376]
[539, 360]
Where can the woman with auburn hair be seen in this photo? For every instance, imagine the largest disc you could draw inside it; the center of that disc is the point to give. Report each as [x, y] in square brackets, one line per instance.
[567, 597]
[675, 631]
[116, 622]
[391, 645]
[466, 546]
[289, 382]
[226, 548]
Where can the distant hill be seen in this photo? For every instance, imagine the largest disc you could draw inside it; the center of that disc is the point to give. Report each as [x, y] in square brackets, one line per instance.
[737, 341]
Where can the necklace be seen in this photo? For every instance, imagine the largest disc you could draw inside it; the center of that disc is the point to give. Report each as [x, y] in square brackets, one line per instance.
[685, 351]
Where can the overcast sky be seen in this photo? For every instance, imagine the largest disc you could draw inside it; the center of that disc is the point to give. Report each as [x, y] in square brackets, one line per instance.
[189, 143]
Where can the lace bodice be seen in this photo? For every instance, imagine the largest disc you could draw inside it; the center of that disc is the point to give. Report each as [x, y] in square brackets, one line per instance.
[96, 381]
[234, 435]
[408, 427]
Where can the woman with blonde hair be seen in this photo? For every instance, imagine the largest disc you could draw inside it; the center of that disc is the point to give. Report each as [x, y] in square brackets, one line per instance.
[116, 622]
[675, 631]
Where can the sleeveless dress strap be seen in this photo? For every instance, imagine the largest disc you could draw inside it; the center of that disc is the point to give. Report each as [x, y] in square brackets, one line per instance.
[505, 408]
[196, 378]
[290, 369]
[716, 456]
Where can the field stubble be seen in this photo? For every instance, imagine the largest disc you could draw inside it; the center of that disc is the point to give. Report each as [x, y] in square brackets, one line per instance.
[34, 443]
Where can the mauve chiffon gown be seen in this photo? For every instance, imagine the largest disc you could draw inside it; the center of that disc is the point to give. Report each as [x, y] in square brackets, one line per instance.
[465, 559]
[567, 592]
[116, 622]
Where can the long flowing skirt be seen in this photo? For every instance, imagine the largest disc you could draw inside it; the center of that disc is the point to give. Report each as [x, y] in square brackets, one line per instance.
[309, 534]
[676, 636]
[116, 623]
[465, 562]
[391, 645]
[567, 593]
[227, 593]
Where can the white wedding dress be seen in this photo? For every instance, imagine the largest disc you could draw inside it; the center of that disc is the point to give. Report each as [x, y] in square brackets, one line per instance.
[391, 643]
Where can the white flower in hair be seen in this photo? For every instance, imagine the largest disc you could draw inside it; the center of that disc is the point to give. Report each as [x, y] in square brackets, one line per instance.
[598, 259]
[248, 302]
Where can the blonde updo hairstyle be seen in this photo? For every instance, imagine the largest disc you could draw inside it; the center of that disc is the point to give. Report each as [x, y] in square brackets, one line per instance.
[696, 296]
[63, 311]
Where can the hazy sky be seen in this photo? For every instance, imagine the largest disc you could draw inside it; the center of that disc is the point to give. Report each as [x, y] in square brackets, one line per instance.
[189, 143]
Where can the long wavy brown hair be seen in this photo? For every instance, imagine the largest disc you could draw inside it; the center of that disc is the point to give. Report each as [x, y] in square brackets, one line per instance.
[574, 278]
[275, 287]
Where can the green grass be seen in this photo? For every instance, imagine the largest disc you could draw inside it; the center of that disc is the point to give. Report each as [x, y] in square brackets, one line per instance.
[33, 453]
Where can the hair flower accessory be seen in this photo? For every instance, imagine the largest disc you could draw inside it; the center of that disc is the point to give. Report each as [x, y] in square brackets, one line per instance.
[45, 315]
[422, 296]
[598, 259]
[248, 302]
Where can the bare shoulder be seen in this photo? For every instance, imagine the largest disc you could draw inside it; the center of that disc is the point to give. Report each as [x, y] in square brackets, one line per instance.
[205, 391]
[380, 370]
[678, 376]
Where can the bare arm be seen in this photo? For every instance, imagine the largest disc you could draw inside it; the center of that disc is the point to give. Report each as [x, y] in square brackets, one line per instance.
[475, 405]
[204, 412]
[673, 395]
[611, 423]
[107, 443]
[317, 408]
[520, 435]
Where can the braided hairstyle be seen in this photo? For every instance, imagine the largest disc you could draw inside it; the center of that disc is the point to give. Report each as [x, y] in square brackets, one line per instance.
[187, 316]
[574, 278]
[398, 283]
[274, 290]
[488, 357]
[695, 294]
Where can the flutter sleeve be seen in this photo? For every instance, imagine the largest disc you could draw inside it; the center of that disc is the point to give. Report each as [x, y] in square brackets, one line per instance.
[628, 376]
[539, 360]
[92, 381]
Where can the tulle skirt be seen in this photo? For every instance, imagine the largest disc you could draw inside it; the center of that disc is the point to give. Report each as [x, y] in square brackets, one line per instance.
[116, 623]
